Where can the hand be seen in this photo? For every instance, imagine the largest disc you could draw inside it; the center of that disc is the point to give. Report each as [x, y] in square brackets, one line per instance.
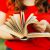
[2, 17]
[48, 28]
[41, 26]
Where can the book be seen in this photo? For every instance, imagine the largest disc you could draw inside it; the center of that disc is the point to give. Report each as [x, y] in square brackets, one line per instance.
[17, 26]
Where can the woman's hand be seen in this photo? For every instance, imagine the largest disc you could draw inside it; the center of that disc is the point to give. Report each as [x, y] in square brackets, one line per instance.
[41, 26]
[48, 28]
[2, 17]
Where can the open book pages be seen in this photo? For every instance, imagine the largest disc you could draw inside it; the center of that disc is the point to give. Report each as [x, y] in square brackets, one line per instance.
[6, 29]
[35, 35]
[17, 26]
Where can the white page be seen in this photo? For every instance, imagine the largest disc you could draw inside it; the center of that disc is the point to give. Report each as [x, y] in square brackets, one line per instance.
[22, 19]
[31, 19]
[17, 21]
[36, 35]
[8, 30]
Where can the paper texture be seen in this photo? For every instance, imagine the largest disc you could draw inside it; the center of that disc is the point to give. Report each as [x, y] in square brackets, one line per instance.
[17, 26]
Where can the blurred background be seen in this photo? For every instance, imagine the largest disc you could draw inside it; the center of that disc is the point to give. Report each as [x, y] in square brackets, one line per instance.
[2, 46]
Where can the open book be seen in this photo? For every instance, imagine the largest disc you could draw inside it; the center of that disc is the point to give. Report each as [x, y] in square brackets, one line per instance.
[17, 26]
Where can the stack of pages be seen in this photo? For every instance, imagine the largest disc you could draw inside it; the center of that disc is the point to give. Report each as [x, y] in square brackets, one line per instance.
[17, 26]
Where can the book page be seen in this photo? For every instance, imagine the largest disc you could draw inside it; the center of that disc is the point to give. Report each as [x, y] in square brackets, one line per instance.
[37, 35]
[8, 30]
[22, 19]
[31, 19]
[11, 24]
[17, 22]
